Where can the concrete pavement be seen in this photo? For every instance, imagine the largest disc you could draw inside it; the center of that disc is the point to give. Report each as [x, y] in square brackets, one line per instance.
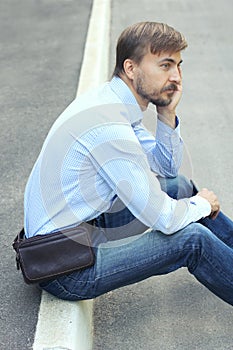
[175, 311]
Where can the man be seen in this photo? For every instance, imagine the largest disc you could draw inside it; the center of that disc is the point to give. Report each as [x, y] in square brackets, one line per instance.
[100, 165]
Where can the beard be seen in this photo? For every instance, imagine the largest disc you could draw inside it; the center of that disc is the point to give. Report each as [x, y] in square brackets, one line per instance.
[159, 101]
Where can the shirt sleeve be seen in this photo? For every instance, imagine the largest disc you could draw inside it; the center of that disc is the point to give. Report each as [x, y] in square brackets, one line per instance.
[164, 151]
[121, 162]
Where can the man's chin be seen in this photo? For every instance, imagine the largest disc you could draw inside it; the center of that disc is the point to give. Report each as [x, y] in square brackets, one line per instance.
[161, 102]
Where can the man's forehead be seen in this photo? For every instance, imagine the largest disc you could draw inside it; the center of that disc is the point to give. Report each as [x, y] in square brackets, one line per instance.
[168, 56]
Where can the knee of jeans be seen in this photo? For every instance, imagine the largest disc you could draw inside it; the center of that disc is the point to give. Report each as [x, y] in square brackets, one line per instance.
[198, 230]
[177, 187]
[198, 239]
[185, 187]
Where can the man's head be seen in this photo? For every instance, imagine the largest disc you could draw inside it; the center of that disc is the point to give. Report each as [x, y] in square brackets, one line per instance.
[140, 38]
[148, 60]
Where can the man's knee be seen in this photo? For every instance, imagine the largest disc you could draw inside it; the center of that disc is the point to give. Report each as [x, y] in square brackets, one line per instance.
[185, 187]
[177, 187]
[198, 240]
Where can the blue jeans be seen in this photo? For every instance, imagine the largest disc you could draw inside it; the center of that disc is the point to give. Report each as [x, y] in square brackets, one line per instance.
[204, 247]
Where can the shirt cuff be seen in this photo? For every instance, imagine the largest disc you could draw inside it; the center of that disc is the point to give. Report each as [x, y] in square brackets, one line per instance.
[167, 135]
[200, 206]
[167, 126]
[162, 127]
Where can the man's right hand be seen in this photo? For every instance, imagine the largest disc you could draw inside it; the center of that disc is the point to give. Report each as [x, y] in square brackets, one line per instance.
[211, 197]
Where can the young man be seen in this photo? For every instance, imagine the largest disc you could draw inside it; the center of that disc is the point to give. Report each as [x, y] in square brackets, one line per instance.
[100, 165]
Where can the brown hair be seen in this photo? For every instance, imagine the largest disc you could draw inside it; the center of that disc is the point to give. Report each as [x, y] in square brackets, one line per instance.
[135, 41]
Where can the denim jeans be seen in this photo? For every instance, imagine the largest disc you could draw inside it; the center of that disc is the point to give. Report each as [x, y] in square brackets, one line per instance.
[204, 247]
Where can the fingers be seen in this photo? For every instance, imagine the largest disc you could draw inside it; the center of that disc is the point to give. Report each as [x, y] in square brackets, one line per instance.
[214, 215]
[211, 197]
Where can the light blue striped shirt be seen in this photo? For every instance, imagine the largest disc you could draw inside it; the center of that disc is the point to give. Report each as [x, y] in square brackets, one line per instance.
[98, 150]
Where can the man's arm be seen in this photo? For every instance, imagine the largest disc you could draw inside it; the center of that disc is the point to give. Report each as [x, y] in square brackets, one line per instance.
[164, 151]
[122, 165]
[167, 115]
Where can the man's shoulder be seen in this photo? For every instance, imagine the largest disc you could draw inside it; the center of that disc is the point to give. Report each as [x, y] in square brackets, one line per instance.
[102, 94]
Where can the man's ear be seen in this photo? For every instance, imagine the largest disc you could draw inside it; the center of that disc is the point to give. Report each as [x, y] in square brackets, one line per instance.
[129, 68]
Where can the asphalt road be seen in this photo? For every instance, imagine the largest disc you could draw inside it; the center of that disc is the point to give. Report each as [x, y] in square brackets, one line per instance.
[175, 312]
[41, 51]
[42, 44]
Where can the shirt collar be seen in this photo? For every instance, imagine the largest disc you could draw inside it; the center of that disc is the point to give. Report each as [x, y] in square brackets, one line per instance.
[126, 96]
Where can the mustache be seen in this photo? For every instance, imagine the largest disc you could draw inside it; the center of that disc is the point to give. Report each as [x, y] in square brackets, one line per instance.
[170, 87]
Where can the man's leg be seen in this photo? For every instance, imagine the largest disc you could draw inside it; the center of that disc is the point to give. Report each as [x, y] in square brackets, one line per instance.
[222, 227]
[152, 253]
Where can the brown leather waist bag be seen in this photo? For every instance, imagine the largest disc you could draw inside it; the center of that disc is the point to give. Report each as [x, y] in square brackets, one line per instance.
[45, 257]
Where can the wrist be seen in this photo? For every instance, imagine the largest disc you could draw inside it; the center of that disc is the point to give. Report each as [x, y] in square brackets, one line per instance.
[168, 118]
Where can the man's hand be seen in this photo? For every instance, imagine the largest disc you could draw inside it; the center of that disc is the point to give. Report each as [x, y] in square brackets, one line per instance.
[212, 199]
[167, 114]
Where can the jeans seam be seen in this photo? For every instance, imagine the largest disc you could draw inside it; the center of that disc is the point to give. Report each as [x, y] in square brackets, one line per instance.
[154, 258]
[220, 271]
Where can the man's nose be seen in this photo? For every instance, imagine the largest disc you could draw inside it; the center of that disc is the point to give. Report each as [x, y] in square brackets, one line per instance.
[176, 75]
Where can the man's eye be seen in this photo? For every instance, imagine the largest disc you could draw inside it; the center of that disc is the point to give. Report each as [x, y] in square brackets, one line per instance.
[165, 65]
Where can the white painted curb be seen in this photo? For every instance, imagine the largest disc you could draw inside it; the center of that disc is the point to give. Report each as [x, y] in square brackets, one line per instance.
[62, 324]
[96, 55]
